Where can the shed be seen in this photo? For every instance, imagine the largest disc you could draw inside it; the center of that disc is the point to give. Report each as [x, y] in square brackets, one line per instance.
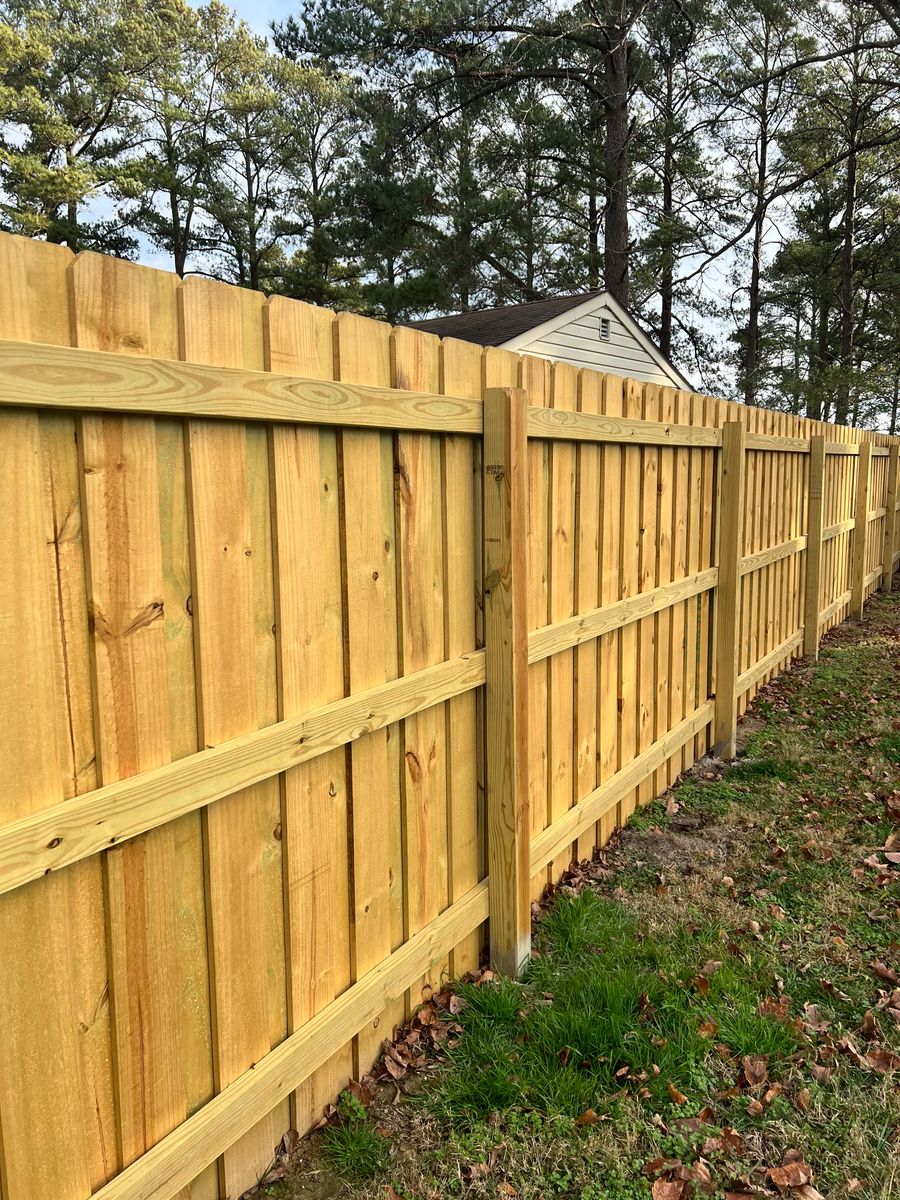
[587, 329]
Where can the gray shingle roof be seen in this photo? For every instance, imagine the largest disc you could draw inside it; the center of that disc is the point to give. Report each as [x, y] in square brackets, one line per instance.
[494, 326]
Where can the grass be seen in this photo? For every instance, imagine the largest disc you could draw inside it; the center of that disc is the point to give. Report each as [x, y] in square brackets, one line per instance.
[352, 1144]
[704, 1025]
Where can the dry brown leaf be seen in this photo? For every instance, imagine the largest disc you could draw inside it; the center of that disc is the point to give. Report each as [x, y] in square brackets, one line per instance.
[672, 1189]
[756, 1069]
[793, 1173]
[883, 1061]
[708, 1029]
[883, 971]
[588, 1117]
[803, 1099]
[676, 1096]
[813, 1019]
[869, 1026]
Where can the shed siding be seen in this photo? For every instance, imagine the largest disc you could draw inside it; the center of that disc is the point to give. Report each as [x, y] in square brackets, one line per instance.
[579, 343]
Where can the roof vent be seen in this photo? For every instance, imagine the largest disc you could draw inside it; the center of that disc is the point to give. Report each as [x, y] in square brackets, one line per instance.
[604, 329]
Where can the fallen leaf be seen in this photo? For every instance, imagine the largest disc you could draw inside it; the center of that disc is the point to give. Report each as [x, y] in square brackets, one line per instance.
[813, 1019]
[883, 971]
[588, 1117]
[869, 1026]
[290, 1141]
[756, 1069]
[668, 1190]
[359, 1091]
[708, 1029]
[883, 1061]
[676, 1096]
[803, 1099]
[793, 1172]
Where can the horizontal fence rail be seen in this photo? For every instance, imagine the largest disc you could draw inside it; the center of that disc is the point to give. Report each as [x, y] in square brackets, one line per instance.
[324, 648]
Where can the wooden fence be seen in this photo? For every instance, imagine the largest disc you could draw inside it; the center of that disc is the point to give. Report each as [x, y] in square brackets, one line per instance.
[322, 643]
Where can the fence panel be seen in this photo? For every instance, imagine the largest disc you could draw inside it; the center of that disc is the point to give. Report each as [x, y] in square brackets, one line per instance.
[257, 777]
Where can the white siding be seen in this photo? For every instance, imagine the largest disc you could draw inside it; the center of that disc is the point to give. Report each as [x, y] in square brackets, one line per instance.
[579, 343]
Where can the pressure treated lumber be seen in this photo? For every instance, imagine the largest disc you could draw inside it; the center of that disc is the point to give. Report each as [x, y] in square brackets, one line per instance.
[605, 797]
[731, 504]
[59, 377]
[753, 675]
[67, 832]
[592, 427]
[765, 558]
[777, 443]
[861, 531]
[891, 523]
[838, 528]
[506, 669]
[174, 1161]
[815, 516]
[552, 639]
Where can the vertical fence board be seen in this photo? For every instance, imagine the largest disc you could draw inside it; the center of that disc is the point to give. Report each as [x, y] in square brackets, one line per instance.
[310, 623]
[242, 833]
[416, 366]
[630, 516]
[461, 376]
[534, 377]
[647, 628]
[363, 355]
[588, 558]
[564, 395]
[610, 591]
[154, 884]
[64, 1012]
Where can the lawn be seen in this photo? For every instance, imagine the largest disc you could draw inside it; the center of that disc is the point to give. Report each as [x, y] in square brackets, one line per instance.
[713, 1007]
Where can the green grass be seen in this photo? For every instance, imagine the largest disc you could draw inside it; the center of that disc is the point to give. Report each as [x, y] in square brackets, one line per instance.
[353, 1146]
[603, 1005]
[615, 1019]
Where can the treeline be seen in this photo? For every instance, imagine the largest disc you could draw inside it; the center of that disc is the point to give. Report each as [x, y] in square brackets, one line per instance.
[729, 169]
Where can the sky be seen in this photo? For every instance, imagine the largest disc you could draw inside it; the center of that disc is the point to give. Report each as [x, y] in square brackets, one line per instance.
[260, 13]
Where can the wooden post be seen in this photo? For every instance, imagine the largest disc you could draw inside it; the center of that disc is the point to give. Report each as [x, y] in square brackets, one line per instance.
[861, 532]
[891, 522]
[730, 521]
[814, 522]
[506, 692]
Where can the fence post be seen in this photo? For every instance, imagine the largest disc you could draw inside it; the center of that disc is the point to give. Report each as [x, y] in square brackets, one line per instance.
[814, 525]
[504, 480]
[731, 520]
[890, 521]
[861, 532]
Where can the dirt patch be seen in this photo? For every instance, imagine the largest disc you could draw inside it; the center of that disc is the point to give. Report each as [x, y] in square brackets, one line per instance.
[671, 850]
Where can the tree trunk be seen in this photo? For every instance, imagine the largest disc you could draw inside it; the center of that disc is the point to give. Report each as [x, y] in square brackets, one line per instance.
[842, 406]
[615, 243]
[751, 351]
[668, 266]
